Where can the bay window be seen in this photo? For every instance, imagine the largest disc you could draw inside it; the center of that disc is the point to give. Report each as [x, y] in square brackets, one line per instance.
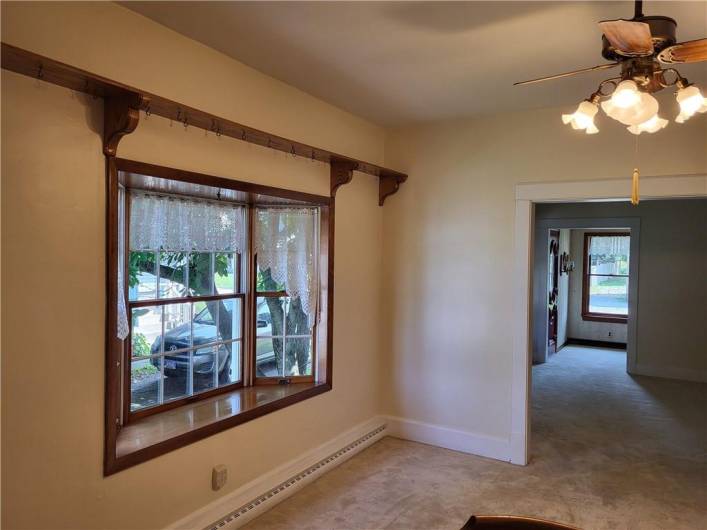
[219, 293]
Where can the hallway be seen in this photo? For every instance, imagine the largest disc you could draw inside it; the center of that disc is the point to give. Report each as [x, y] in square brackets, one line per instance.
[608, 452]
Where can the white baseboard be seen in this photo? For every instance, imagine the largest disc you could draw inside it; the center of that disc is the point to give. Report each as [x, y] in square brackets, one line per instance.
[449, 438]
[669, 372]
[256, 497]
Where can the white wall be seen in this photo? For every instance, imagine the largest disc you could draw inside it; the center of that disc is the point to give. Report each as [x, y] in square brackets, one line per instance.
[578, 328]
[448, 257]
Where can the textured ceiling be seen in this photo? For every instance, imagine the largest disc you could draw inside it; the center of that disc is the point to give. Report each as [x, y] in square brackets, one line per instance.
[397, 63]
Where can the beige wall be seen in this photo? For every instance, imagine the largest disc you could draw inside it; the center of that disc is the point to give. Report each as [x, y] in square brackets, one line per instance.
[448, 239]
[53, 263]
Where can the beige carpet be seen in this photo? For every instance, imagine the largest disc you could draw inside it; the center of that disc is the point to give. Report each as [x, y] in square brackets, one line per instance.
[609, 451]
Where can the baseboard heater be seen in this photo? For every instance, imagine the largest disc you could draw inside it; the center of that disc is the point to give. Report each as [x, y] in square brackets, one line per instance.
[267, 500]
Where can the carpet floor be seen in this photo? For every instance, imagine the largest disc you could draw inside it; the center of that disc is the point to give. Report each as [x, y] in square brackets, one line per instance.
[608, 451]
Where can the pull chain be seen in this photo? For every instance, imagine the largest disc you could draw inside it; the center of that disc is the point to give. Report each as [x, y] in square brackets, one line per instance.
[636, 175]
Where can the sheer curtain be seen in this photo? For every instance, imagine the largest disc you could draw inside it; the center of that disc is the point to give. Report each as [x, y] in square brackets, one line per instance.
[159, 222]
[286, 243]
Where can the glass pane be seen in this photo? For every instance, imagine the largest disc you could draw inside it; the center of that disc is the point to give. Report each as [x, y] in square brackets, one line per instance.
[177, 327]
[146, 330]
[230, 363]
[268, 357]
[173, 267]
[298, 356]
[201, 280]
[144, 383]
[176, 370]
[265, 283]
[205, 318]
[609, 254]
[270, 313]
[297, 320]
[224, 273]
[204, 369]
[229, 319]
[142, 279]
[608, 294]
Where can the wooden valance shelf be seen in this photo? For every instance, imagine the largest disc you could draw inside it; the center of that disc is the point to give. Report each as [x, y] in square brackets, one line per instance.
[124, 97]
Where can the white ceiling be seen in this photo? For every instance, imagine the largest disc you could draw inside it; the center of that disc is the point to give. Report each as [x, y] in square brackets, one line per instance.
[397, 63]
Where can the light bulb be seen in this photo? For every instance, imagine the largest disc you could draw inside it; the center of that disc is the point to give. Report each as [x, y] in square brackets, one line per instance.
[583, 117]
[691, 101]
[642, 110]
[626, 94]
[651, 125]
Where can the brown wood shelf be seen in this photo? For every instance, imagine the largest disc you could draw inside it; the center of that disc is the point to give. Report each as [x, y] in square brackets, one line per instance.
[40, 67]
[155, 435]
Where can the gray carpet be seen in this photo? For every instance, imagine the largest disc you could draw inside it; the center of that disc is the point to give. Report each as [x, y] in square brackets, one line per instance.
[609, 451]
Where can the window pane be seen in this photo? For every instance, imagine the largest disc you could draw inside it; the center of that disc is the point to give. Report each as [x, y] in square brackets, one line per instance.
[229, 363]
[201, 280]
[173, 267]
[298, 358]
[205, 319]
[265, 283]
[270, 312]
[224, 273]
[144, 383]
[268, 357]
[229, 319]
[203, 369]
[177, 327]
[608, 294]
[609, 254]
[146, 330]
[297, 320]
[142, 279]
[175, 376]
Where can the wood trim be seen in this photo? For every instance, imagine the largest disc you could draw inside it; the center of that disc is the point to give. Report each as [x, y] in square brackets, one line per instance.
[596, 343]
[36, 66]
[586, 314]
[153, 170]
[129, 459]
[340, 173]
[121, 115]
[388, 184]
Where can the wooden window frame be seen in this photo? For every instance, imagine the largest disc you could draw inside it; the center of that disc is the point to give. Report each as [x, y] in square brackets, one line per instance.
[134, 437]
[586, 275]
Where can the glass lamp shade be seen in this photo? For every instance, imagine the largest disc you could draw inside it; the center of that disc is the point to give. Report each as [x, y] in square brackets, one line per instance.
[583, 118]
[651, 125]
[691, 102]
[643, 109]
[626, 95]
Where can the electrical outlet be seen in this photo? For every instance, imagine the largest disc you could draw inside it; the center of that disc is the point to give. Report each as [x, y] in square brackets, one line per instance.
[610, 334]
[219, 475]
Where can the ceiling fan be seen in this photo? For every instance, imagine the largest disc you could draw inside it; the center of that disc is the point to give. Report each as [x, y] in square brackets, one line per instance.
[643, 47]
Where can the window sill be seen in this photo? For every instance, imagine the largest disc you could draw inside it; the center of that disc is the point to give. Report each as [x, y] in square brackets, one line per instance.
[156, 435]
[597, 317]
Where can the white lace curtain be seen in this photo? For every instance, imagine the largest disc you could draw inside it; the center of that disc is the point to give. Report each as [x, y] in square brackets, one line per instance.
[159, 222]
[285, 242]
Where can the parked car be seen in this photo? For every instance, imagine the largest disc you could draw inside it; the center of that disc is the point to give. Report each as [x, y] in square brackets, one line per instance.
[204, 332]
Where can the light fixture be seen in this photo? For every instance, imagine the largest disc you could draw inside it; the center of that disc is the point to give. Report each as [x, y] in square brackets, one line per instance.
[651, 125]
[691, 102]
[583, 117]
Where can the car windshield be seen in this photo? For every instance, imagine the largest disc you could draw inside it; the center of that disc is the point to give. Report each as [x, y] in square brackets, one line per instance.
[204, 317]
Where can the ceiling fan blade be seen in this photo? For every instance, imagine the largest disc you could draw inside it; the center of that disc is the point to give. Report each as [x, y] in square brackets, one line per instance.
[628, 38]
[692, 51]
[567, 74]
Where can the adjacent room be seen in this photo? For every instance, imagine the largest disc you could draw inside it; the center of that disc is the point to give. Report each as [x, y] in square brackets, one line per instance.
[353, 265]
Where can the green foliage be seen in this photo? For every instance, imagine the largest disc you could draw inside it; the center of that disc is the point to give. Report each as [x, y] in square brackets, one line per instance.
[141, 347]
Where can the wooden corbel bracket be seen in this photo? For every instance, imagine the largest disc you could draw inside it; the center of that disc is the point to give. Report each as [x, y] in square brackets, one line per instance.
[389, 183]
[341, 173]
[121, 114]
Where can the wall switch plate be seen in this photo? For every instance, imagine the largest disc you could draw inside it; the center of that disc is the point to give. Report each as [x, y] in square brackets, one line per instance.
[219, 475]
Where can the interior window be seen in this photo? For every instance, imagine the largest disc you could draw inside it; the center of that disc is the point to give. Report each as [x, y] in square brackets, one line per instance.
[606, 276]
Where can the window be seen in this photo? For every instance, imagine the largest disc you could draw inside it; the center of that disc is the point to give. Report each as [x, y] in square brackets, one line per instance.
[606, 276]
[218, 293]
